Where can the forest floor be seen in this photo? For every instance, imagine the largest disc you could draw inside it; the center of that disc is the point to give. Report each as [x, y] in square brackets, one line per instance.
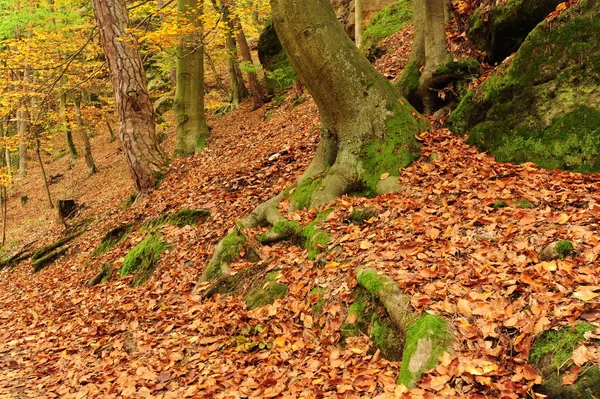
[440, 238]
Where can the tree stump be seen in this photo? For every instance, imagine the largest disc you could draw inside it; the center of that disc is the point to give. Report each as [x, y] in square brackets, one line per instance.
[66, 208]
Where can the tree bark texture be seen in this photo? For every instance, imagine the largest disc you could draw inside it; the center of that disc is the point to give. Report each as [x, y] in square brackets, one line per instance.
[368, 130]
[146, 161]
[236, 82]
[255, 89]
[192, 129]
[358, 22]
[89, 158]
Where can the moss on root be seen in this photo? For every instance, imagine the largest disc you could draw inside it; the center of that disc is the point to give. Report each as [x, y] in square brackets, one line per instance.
[426, 340]
[302, 194]
[113, 237]
[371, 282]
[227, 251]
[551, 354]
[265, 295]
[359, 216]
[142, 259]
[181, 218]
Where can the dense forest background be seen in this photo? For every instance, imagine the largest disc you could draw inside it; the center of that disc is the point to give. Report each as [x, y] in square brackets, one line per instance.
[300, 199]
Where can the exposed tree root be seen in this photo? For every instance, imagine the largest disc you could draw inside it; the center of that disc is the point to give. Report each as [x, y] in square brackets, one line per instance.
[427, 336]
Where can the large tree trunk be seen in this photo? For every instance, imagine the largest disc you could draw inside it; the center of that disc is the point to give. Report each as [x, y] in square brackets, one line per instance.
[255, 89]
[146, 161]
[89, 159]
[367, 129]
[192, 129]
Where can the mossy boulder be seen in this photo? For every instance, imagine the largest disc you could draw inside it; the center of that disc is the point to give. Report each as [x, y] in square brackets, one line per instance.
[543, 106]
[500, 30]
[556, 250]
[387, 22]
[279, 72]
[142, 259]
[552, 354]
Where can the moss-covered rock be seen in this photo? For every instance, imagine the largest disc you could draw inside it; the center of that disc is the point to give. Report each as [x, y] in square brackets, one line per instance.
[503, 28]
[551, 355]
[426, 340]
[279, 72]
[543, 107]
[142, 259]
[360, 215]
[387, 22]
[556, 250]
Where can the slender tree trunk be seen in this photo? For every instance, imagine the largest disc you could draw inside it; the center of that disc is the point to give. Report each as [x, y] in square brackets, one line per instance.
[89, 158]
[41, 163]
[146, 161]
[4, 209]
[192, 129]
[213, 69]
[434, 31]
[111, 132]
[67, 128]
[255, 89]
[358, 22]
[417, 54]
[22, 130]
[236, 82]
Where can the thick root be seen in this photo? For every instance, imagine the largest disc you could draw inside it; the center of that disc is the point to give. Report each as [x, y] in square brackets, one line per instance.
[427, 336]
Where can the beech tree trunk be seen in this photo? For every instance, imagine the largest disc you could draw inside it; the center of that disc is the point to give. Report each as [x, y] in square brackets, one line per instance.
[358, 22]
[192, 129]
[137, 130]
[367, 129]
[255, 89]
[236, 82]
[89, 158]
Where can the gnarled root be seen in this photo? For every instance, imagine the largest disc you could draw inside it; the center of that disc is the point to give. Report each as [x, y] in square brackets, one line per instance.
[427, 336]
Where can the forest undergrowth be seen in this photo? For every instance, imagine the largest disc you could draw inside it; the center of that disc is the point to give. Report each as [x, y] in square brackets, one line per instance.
[461, 239]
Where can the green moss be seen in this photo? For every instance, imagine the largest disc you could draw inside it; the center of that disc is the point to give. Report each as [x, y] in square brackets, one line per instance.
[387, 338]
[523, 203]
[463, 68]
[183, 217]
[564, 248]
[303, 192]
[142, 259]
[49, 257]
[282, 76]
[283, 229]
[360, 313]
[587, 386]
[397, 151]
[429, 331]
[542, 107]
[315, 239]
[266, 295]
[408, 83]
[230, 247]
[42, 252]
[387, 22]
[113, 237]
[499, 204]
[317, 307]
[371, 282]
[359, 216]
[556, 346]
